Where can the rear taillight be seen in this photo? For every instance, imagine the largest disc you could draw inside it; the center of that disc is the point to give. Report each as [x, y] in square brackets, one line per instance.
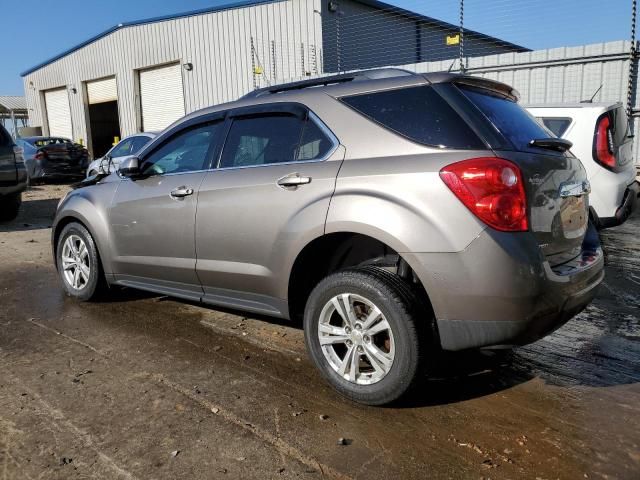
[492, 189]
[18, 154]
[603, 143]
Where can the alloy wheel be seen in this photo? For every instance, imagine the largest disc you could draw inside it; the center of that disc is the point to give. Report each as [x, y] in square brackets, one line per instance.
[75, 262]
[356, 339]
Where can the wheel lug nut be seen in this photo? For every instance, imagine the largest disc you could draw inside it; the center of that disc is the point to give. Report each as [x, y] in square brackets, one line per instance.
[347, 329]
[360, 349]
[366, 338]
[349, 343]
[358, 326]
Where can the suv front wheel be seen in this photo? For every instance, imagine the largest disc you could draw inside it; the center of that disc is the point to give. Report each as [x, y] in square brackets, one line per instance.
[367, 332]
[79, 263]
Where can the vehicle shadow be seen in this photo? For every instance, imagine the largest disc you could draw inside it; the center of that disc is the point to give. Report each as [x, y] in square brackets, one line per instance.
[455, 377]
[33, 215]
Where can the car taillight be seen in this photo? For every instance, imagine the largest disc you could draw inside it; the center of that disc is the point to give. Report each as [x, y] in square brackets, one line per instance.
[18, 154]
[492, 189]
[40, 156]
[603, 143]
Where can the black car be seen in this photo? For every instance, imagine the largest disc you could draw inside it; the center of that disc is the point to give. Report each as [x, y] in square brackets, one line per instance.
[53, 157]
[13, 176]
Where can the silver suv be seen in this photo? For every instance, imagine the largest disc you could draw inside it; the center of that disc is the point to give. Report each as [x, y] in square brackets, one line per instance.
[398, 214]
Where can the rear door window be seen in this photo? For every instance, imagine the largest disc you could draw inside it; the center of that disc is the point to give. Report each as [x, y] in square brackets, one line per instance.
[261, 140]
[558, 126]
[419, 114]
[315, 144]
[509, 118]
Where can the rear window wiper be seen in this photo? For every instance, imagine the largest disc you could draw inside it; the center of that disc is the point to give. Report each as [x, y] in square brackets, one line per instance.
[559, 144]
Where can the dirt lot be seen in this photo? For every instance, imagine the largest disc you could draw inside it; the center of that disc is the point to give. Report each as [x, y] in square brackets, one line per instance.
[148, 387]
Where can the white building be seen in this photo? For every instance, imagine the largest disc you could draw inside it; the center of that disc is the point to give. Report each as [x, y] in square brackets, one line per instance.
[143, 75]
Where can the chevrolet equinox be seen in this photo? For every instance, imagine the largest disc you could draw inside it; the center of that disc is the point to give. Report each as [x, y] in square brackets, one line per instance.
[396, 213]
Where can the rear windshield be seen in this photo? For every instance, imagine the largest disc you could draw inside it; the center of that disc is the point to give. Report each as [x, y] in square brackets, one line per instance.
[513, 121]
[557, 125]
[419, 114]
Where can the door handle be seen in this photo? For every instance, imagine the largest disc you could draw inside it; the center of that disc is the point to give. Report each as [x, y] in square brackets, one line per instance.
[181, 192]
[293, 180]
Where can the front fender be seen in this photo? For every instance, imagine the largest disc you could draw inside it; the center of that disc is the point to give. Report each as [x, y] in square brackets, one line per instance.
[89, 206]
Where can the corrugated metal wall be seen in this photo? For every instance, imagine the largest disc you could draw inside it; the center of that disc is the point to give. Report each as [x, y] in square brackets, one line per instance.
[287, 35]
[557, 75]
[363, 36]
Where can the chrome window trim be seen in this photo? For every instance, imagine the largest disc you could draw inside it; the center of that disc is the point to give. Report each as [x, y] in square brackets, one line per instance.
[335, 143]
[160, 175]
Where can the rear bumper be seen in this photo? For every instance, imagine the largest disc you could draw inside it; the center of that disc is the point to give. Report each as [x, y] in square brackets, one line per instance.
[501, 291]
[624, 211]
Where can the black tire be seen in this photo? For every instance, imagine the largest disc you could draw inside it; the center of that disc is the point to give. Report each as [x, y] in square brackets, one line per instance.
[10, 206]
[408, 315]
[96, 284]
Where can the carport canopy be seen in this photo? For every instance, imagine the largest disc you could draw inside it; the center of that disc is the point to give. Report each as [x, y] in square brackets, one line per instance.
[13, 110]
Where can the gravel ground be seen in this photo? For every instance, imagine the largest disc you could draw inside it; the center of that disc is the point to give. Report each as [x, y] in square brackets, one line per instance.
[143, 386]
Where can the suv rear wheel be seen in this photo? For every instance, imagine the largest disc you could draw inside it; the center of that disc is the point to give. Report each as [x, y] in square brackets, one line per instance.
[10, 206]
[366, 331]
[79, 264]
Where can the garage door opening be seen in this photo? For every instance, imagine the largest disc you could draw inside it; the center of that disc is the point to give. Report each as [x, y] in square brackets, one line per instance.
[104, 123]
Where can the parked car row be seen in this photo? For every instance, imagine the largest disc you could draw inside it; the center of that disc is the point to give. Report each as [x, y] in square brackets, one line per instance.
[53, 158]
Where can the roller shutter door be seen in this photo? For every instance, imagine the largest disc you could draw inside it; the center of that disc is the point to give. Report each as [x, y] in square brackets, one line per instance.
[161, 97]
[58, 113]
[100, 91]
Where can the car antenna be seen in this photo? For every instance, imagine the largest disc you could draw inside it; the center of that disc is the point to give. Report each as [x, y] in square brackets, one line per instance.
[594, 95]
[451, 66]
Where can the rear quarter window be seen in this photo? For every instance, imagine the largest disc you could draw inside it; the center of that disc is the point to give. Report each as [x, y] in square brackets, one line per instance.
[419, 114]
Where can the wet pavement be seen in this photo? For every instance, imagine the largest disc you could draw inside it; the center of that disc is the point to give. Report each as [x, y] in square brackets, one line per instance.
[143, 386]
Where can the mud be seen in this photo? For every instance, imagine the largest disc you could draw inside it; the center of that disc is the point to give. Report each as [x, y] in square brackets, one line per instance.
[143, 386]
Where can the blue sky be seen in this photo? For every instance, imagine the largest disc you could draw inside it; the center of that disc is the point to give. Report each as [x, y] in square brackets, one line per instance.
[34, 30]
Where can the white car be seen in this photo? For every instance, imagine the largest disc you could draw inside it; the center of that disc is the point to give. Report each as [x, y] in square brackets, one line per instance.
[125, 148]
[602, 141]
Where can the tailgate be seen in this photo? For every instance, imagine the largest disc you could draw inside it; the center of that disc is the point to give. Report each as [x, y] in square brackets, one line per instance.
[557, 194]
[555, 181]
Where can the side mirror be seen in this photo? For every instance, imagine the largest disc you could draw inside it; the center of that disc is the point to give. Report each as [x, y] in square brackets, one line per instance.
[129, 167]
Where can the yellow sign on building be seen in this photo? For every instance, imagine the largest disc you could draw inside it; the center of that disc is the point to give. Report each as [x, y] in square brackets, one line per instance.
[453, 39]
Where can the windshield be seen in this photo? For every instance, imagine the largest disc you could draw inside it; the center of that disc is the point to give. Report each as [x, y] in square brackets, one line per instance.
[509, 118]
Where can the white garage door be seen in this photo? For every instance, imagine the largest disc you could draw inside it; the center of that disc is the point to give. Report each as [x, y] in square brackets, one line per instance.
[58, 113]
[100, 91]
[161, 97]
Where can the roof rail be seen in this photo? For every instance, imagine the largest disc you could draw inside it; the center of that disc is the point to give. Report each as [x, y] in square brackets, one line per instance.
[331, 79]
